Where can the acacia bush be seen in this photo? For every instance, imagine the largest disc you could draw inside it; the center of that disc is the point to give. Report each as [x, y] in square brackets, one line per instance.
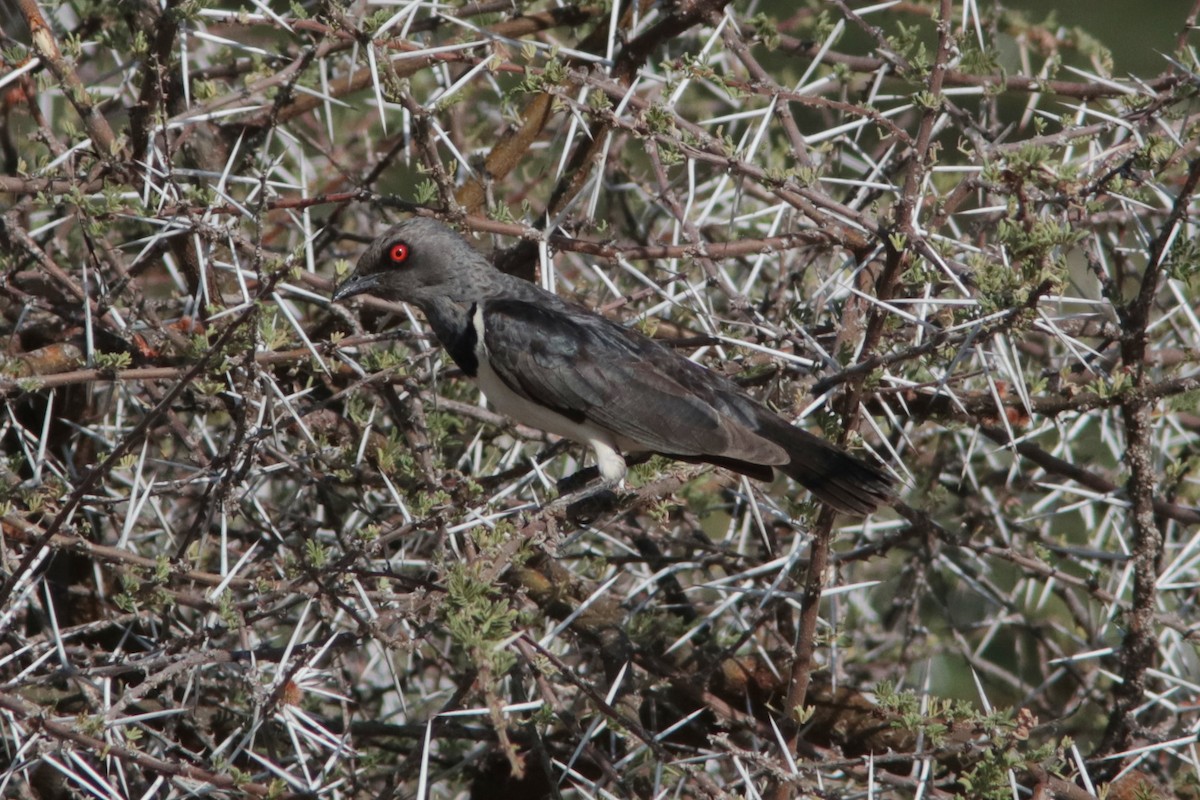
[258, 544]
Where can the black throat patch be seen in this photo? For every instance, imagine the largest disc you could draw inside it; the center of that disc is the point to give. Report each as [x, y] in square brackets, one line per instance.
[462, 347]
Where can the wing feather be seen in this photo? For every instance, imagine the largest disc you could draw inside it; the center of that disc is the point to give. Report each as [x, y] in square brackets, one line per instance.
[586, 367]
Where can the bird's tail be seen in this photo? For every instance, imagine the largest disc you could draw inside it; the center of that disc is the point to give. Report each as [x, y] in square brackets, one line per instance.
[845, 482]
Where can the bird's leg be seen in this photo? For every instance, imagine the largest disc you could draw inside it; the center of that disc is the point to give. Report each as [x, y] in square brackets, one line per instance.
[581, 478]
[585, 504]
[576, 481]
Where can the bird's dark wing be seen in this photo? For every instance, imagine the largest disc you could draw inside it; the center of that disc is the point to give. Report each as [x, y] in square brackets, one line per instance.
[586, 367]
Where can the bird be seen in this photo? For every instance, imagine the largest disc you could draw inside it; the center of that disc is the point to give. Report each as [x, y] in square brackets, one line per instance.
[562, 368]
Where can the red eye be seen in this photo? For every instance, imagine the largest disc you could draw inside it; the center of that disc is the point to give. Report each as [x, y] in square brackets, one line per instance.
[398, 253]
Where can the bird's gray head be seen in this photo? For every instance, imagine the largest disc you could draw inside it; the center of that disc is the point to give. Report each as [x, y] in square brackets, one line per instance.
[416, 261]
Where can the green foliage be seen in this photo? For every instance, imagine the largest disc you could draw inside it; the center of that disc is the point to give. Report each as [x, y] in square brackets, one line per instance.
[478, 619]
[765, 30]
[286, 566]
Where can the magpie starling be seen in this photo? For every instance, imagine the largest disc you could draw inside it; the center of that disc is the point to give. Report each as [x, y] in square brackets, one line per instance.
[557, 366]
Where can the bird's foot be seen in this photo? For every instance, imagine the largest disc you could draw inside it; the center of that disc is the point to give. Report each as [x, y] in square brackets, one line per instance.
[591, 504]
[577, 482]
[581, 504]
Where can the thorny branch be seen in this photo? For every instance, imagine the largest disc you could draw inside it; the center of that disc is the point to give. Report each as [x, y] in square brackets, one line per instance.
[256, 543]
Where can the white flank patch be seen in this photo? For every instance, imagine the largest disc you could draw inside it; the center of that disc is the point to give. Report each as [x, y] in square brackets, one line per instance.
[507, 402]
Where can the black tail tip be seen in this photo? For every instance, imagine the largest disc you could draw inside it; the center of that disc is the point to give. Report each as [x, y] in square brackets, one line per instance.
[851, 486]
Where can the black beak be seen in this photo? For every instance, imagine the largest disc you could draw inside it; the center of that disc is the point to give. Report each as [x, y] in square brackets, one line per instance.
[355, 284]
